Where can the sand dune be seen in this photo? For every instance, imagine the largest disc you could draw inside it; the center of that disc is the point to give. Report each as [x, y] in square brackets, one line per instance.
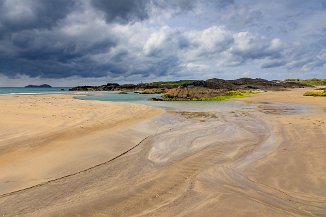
[257, 160]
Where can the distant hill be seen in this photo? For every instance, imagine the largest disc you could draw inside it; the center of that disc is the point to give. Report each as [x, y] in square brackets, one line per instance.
[38, 86]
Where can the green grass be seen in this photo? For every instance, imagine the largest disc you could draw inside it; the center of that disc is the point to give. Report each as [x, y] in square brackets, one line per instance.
[215, 98]
[311, 82]
[315, 93]
[227, 95]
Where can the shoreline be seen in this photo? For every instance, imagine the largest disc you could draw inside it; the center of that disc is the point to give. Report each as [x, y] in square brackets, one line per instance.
[263, 158]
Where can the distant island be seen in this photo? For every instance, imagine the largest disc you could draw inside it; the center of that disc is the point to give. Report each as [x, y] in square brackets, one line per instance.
[38, 86]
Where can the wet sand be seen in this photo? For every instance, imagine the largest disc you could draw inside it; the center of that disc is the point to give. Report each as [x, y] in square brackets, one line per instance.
[258, 158]
[289, 96]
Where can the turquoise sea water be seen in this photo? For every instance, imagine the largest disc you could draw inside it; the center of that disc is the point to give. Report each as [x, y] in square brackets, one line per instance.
[117, 97]
[169, 105]
[188, 106]
[23, 90]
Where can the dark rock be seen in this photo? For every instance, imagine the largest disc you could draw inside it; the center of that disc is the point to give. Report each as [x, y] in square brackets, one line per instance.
[107, 87]
[113, 84]
[84, 88]
[192, 92]
[214, 84]
[153, 91]
[157, 99]
[290, 84]
[38, 86]
[128, 86]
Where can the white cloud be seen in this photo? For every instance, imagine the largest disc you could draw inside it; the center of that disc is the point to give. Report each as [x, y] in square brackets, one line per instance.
[87, 41]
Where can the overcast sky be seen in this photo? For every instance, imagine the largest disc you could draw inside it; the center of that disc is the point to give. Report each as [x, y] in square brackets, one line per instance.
[67, 43]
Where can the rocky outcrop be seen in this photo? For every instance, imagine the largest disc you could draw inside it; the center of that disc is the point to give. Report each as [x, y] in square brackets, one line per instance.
[246, 83]
[84, 88]
[191, 92]
[107, 87]
[154, 91]
[214, 84]
[189, 89]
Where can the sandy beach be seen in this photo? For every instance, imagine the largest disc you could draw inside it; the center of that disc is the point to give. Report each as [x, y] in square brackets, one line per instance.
[262, 156]
[44, 137]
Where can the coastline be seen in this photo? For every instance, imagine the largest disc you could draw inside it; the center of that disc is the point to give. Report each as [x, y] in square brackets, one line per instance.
[263, 157]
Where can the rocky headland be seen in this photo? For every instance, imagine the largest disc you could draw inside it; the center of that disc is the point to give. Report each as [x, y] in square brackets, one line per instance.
[196, 89]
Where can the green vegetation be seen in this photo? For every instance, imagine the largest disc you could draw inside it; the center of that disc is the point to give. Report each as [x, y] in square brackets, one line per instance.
[216, 98]
[315, 93]
[227, 95]
[311, 82]
[173, 83]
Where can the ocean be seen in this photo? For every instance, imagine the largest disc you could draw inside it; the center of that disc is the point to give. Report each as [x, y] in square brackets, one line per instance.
[115, 96]
[24, 90]
[132, 97]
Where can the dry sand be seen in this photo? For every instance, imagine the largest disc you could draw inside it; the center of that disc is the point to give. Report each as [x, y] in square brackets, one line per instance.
[43, 137]
[260, 159]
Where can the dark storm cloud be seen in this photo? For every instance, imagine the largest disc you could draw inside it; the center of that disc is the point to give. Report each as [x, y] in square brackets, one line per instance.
[52, 54]
[177, 5]
[123, 10]
[24, 49]
[98, 38]
[33, 42]
[30, 14]
[54, 46]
